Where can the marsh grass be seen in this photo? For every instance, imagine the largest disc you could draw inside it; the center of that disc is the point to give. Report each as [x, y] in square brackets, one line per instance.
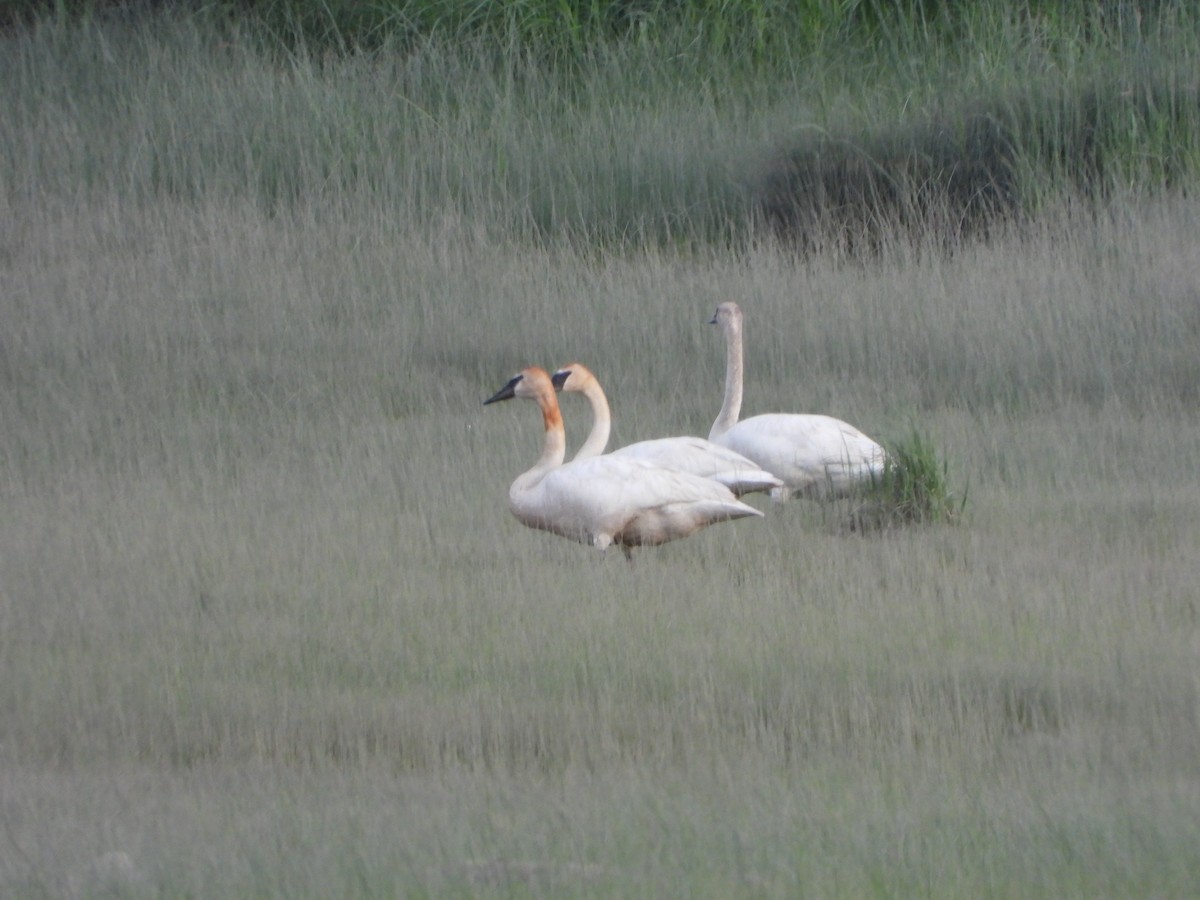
[853, 143]
[914, 488]
[267, 627]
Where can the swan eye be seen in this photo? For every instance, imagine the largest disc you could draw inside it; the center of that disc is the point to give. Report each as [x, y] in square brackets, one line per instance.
[507, 392]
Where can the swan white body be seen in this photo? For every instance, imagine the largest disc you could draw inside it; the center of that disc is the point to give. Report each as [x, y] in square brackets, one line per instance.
[815, 455]
[604, 500]
[682, 454]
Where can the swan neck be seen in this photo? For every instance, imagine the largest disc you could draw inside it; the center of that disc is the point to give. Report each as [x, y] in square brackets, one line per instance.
[554, 443]
[731, 407]
[597, 439]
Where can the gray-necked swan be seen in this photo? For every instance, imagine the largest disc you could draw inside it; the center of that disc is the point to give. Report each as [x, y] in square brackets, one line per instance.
[683, 454]
[814, 455]
[605, 500]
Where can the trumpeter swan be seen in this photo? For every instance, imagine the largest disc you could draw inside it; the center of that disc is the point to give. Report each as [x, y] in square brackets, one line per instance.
[604, 500]
[814, 455]
[683, 454]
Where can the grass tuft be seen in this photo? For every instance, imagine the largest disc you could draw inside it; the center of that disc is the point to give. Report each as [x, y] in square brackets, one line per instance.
[914, 488]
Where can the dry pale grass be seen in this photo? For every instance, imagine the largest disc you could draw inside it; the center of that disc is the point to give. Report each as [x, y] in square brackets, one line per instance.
[255, 522]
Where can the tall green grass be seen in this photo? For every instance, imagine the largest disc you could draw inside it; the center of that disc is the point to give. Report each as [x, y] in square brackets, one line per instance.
[884, 129]
[267, 627]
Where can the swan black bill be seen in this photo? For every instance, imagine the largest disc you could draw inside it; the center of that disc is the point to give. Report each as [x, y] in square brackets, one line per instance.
[713, 320]
[505, 393]
[559, 378]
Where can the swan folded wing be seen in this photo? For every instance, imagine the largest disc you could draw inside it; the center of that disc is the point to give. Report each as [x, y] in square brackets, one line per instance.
[604, 499]
[641, 483]
[807, 451]
[686, 454]
[741, 482]
[698, 456]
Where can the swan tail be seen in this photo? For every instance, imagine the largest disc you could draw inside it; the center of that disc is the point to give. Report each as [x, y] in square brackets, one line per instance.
[742, 482]
[707, 511]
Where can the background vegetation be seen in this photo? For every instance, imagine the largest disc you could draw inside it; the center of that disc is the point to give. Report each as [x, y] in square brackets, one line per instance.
[266, 625]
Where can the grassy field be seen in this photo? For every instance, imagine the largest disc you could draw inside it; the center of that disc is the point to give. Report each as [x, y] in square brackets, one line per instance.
[268, 629]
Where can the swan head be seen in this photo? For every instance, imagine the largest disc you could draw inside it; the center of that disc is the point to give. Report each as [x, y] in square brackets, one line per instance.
[574, 377]
[532, 383]
[728, 316]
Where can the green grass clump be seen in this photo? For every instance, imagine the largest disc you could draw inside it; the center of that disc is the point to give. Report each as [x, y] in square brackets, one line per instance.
[914, 488]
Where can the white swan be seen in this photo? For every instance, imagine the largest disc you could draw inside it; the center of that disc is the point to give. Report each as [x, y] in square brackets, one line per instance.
[815, 455]
[603, 500]
[682, 454]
